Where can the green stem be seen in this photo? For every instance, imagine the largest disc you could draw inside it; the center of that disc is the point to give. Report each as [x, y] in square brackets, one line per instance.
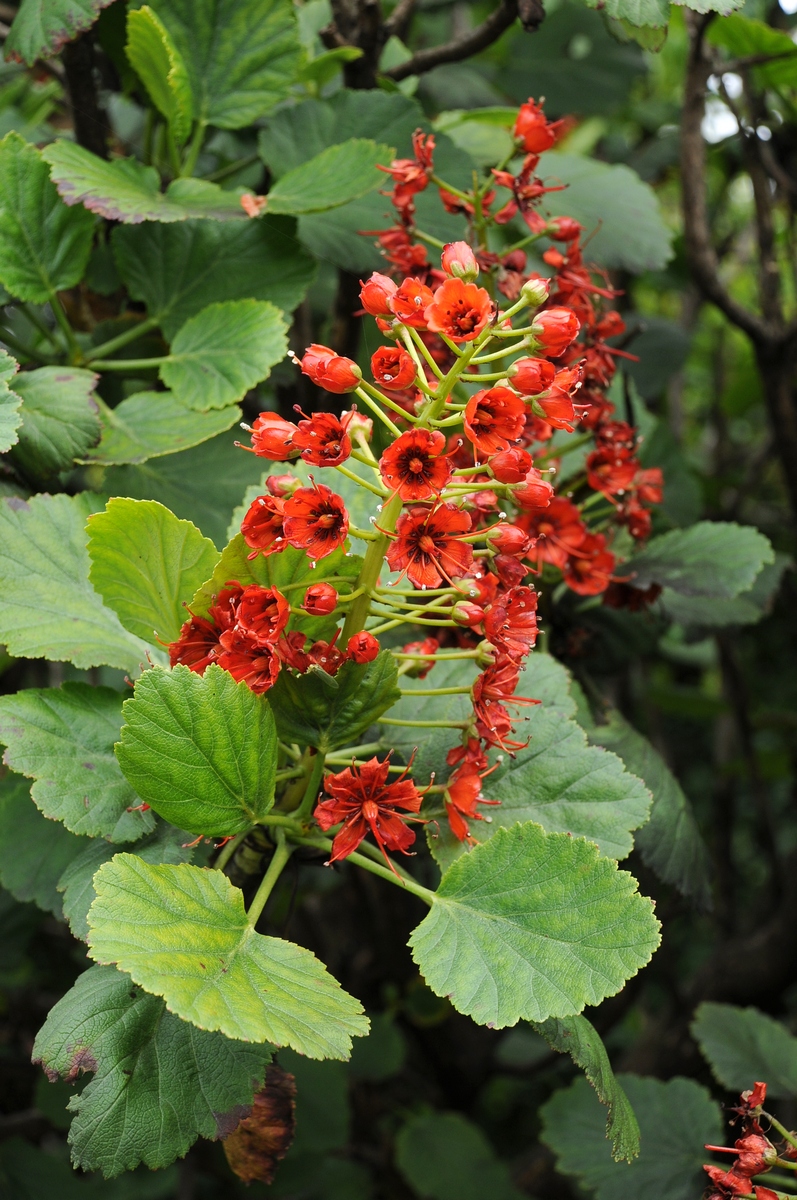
[41, 325]
[122, 339]
[412, 335]
[226, 852]
[171, 147]
[425, 724]
[427, 237]
[382, 493]
[26, 351]
[129, 364]
[275, 868]
[445, 691]
[190, 160]
[311, 791]
[380, 399]
[377, 411]
[782, 1130]
[231, 168]
[371, 569]
[374, 867]
[75, 353]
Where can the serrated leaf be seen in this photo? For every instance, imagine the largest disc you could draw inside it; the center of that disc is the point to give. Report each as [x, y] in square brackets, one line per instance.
[33, 851]
[223, 351]
[63, 738]
[42, 27]
[146, 564]
[578, 1038]
[200, 749]
[533, 925]
[44, 246]
[711, 558]
[125, 190]
[177, 270]
[10, 416]
[654, 13]
[152, 424]
[743, 1045]
[325, 711]
[182, 933]
[676, 1119]
[160, 67]
[670, 843]
[59, 418]
[443, 1156]
[748, 608]
[165, 845]
[336, 176]
[49, 609]
[159, 1083]
[705, 6]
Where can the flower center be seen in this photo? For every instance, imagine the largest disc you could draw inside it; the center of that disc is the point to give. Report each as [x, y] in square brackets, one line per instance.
[327, 520]
[426, 543]
[416, 465]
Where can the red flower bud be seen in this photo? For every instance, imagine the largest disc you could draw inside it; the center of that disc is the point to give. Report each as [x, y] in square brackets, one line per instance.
[555, 329]
[532, 375]
[459, 260]
[508, 539]
[320, 599]
[465, 613]
[534, 492]
[329, 370]
[564, 229]
[512, 465]
[363, 647]
[533, 130]
[282, 485]
[393, 367]
[272, 437]
[375, 294]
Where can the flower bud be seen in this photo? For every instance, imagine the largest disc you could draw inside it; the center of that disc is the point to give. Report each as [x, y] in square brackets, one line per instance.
[375, 294]
[357, 422]
[564, 229]
[459, 260]
[320, 600]
[363, 647]
[282, 485]
[535, 291]
[554, 330]
[531, 375]
[534, 492]
[465, 613]
[329, 370]
[393, 368]
[508, 539]
[272, 437]
[511, 466]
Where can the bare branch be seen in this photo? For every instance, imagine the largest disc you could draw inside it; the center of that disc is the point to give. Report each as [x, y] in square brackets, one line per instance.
[399, 19]
[462, 47]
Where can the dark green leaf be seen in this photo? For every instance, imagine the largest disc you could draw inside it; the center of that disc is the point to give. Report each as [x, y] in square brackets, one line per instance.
[152, 424]
[713, 558]
[336, 176]
[59, 418]
[159, 1083]
[443, 1156]
[10, 416]
[746, 38]
[33, 851]
[748, 608]
[42, 27]
[744, 1045]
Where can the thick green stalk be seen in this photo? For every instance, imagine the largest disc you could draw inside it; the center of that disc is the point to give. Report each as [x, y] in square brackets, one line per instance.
[275, 868]
[371, 570]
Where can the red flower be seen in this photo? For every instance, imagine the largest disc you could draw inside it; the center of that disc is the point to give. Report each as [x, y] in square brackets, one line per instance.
[262, 526]
[755, 1154]
[637, 519]
[316, 520]
[415, 465]
[410, 302]
[255, 665]
[393, 367]
[510, 622]
[362, 647]
[511, 466]
[649, 485]
[491, 690]
[291, 651]
[564, 229]
[558, 529]
[533, 130]
[427, 546]
[272, 437]
[459, 261]
[421, 668]
[557, 403]
[196, 646]
[610, 473]
[323, 439]
[224, 610]
[555, 329]
[510, 571]
[411, 175]
[494, 418]
[508, 539]
[534, 491]
[260, 614]
[375, 294]
[327, 656]
[320, 599]
[532, 375]
[329, 370]
[463, 793]
[459, 310]
[589, 569]
[363, 800]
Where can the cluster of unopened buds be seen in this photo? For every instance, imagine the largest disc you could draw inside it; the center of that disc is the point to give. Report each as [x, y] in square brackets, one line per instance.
[468, 398]
[754, 1153]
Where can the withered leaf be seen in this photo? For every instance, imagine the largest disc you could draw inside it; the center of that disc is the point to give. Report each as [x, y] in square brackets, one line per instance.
[262, 1139]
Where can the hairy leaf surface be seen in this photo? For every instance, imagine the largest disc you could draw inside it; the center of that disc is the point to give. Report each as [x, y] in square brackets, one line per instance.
[711, 558]
[744, 1045]
[10, 416]
[33, 851]
[59, 418]
[159, 65]
[336, 176]
[153, 424]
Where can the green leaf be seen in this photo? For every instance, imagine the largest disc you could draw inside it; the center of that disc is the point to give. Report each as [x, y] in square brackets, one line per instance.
[42, 27]
[146, 564]
[33, 850]
[200, 749]
[676, 1119]
[203, 484]
[324, 67]
[241, 55]
[44, 247]
[59, 418]
[712, 558]
[64, 738]
[10, 416]
[336, 176]
[533, 925]
[177, 270]
[706, 6]
[650, 13]
[743, 1045]
[182, 933]
[578, 1038]
[158, 64]
[328, 711]
[223, 351]
[443, 1156]
[49, 609]
[670, 843]
[159, 1083]
[613, 203]
[746, 38]
[748, 608]
[125, 190]
[165, 845]
[152, 424]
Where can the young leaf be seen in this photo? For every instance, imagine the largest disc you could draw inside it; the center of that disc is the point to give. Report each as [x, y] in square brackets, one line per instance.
[63, 738]
[177, 270]
[201, 749]
[44, 247]
[223, 351]
[49, 609]
[160, 67]
[443, 1156]
[10, 416]
[743, 1045]
[711, 558]
[335, 176]
[533, 925]
[182, 933]
[578, 1038]
[159, 1083]
[328, 711]
[42, 27]
[33, 851]
[59, 418]
[676, 1119]
[146, 564]
[151, 424]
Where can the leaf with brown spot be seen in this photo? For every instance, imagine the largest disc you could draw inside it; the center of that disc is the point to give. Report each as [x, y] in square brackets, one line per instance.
[264, 1137]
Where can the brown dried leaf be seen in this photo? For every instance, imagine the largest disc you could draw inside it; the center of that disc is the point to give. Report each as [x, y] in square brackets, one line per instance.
[263, 1138]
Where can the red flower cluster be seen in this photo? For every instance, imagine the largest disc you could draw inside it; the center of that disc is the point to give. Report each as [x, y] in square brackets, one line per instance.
[754, 1154]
